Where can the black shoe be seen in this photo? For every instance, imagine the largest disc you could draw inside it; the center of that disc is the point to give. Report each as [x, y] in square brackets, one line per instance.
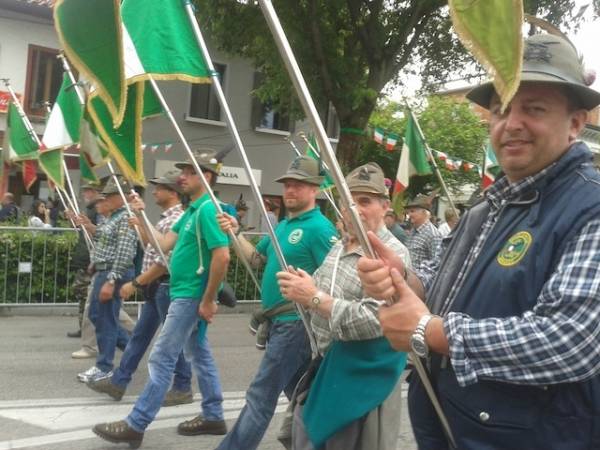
[198, 426]
[226, 296]
[74, 334]
[119, 432]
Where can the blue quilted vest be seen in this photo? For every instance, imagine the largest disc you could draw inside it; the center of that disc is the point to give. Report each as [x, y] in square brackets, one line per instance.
[521, 252]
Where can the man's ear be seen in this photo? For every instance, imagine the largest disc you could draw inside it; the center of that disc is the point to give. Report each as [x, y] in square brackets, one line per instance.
[578, 121]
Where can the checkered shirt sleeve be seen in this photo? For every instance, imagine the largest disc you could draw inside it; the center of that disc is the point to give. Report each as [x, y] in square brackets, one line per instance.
[115, 244]
[424, 244]
[353, 316]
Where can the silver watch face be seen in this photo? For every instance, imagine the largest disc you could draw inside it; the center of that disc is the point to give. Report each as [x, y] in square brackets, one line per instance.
[315, 301]
[418, 345]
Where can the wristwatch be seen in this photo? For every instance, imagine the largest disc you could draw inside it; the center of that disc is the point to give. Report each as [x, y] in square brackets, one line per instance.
[417, 341]
[316, 300]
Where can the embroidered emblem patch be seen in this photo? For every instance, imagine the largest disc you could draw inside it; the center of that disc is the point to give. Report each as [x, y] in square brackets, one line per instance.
[515, 249]
[295, 236]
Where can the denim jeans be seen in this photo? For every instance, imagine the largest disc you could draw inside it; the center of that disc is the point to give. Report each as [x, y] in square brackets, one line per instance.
[286, 357]
[180, 329]
[154, 312]
[105, 317]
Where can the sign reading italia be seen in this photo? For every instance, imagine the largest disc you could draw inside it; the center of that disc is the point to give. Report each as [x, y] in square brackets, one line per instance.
[5, 100]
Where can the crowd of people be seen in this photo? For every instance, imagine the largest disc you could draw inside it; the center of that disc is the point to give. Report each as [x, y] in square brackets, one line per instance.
[500, 305]
[43, 214]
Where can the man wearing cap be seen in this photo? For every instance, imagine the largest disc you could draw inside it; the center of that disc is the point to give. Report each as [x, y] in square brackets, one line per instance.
[425, 239]
[305, 237]
[356, 356]
[112, 259]
[153, 283]
[198, 265]
[391, 222]
[511, 327]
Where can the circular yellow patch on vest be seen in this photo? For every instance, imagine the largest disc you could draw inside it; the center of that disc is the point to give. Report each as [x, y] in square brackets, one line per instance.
[514, 249]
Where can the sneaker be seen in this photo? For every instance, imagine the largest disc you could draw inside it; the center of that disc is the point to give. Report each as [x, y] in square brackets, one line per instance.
[101, 375]
[105, 386]
[83, 353]
[84, 377]
[198, 426]
[255, 320]
[175, 397]
[119, 432]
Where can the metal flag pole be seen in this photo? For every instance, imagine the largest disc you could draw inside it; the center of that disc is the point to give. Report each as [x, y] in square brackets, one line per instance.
[325, 192]
[234, 239]
[436, 169]
[153, 239]
[216, 83]
[329, 156]
[35, 137]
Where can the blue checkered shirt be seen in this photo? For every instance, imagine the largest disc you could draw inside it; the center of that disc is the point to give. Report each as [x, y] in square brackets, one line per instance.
[424, 244]
[556, 342]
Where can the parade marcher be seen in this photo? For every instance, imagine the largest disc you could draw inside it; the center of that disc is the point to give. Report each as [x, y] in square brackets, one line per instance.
[112, 259]
[354, 400]
[449, 224]
[80, 261]
[305, 237]
[153, 284]
[198, 265]
[425, 240]
[391, 222]
[514, 345]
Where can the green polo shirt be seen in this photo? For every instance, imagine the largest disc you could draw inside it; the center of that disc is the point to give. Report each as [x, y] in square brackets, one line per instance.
[305, 240]
[196, 229]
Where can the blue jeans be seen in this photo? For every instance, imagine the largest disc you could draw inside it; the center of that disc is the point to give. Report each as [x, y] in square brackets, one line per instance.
[180, 328]
[153, 314]
[105, 317]
[286, 357]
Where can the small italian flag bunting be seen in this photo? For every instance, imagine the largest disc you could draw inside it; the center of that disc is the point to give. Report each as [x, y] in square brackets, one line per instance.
[378, 135]
[390, 141]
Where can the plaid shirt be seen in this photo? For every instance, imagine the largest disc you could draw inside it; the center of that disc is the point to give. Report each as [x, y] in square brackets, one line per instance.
[557, 341]
[167, 219]
[115, 244]
[353, 317]
[424, 244]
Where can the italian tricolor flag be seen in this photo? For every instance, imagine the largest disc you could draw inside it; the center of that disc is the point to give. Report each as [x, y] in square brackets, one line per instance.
[413, 159]
[19, 146]
[490, 167]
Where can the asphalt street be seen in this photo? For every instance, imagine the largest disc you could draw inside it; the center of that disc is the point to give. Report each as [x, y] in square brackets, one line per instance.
[43, 406]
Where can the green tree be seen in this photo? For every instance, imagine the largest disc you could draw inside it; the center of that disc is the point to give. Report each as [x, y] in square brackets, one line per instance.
[449, 126]
[349, 50]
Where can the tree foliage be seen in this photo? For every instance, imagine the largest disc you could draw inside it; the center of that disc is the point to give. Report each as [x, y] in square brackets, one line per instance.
[349, 50]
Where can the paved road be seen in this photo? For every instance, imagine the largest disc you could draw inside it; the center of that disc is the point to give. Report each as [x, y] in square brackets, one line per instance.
[42, 406]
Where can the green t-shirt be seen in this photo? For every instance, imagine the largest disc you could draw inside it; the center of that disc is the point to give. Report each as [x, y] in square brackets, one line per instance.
[198, 221]
[305, 240]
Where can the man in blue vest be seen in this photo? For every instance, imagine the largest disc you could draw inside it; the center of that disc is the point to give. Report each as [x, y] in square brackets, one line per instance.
[510, 328]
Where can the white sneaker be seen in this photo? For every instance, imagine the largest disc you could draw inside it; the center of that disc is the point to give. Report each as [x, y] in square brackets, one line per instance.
[83, 353]
[99, 376]
[86, 376]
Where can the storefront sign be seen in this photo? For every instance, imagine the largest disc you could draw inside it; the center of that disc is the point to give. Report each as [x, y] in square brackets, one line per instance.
[5, 100]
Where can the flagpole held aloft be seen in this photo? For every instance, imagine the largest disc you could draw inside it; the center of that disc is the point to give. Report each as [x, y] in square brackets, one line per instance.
[242, 152]
[432, 162]
[329, 156]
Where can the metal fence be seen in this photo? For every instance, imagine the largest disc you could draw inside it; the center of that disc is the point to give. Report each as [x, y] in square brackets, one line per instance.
[35, 267]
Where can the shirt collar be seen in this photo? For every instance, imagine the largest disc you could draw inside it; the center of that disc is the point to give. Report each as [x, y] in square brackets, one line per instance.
[196, 203]
[117, 211]
[305, 215]
[383, 233]
[502, 190]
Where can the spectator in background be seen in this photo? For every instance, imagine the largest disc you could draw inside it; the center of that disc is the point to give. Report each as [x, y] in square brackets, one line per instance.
[449, 224]
[424, 241]
[40, 215]
[242, 211]
[54, 208]
[270, 206]
[9, 211]
[391, 222]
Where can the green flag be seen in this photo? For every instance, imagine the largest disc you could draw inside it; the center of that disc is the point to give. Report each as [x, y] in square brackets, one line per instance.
[18, 141]
[492, 31]
[158, 40]
[124, 143]
[90, 34]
